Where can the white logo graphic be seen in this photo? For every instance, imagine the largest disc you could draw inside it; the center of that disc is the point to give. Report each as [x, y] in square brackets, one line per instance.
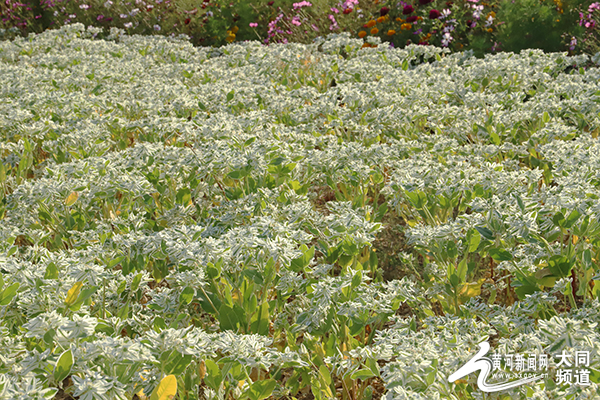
[484, 364]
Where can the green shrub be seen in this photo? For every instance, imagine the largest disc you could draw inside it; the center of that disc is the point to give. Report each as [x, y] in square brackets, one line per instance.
[537, 24]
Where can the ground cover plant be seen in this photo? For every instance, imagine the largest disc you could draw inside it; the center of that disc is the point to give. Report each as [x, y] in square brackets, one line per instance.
[481, 26]
[208, 224]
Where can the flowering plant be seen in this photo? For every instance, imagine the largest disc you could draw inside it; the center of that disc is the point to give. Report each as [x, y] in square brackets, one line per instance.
[456, 25]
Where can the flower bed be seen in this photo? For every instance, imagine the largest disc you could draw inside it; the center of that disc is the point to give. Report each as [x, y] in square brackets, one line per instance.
[181, 220]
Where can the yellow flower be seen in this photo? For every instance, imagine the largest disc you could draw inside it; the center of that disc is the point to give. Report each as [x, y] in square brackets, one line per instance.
[374, 31]
[391, 32]
[235, 30]
[230, 36]
[371, 24]
[362, 34]
[405, 26]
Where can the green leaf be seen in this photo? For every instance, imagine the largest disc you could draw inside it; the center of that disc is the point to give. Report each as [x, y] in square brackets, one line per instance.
[49, 336]
[362, 374]
[7, 294]
[520, 202]
[572, 218]
[545, 117]
[51, 271]
[298, 264]
[184, 196]
[495, 138]
[485, 232]
[230, 95]
[473, 240]
[259, 323]
[63, 366]
[83, 296]
[136, 282]
[261, 390]
[187, 295]
[177, 363]
[115, 261]
[231, 318]
[462, 270]
[499, 254]
[123, 312]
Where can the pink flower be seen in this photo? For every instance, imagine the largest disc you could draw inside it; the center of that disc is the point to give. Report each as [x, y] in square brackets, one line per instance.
[296, 21]
[335, 10]
[253, 24]
[302, 4]
[99, 17]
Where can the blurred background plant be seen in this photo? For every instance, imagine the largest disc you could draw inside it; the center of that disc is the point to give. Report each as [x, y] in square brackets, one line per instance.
[589, 19]
[481, 26]
[538, 24]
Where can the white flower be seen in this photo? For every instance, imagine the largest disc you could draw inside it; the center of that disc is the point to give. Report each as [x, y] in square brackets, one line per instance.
[157, 27]
[128, 25]
[108, 3]
[93, 386]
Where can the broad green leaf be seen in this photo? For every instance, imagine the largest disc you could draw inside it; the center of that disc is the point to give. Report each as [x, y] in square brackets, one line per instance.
[462, 270]
[261, 390]
[63, 366]
[231, 318]
[136, 282]
[500, 254]
[51, 271]
[259, 323]
[166, 389]
[230, 95]
[362, 374]
[572, 218]
[473, 240]
[7, 294]
[187, 295]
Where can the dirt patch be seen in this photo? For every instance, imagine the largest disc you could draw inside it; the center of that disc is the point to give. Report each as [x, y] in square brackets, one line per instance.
[389, 243]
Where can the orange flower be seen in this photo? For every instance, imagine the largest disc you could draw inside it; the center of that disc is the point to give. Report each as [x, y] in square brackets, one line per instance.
[490, 30]
[380, 19]
[362, 34]
[405, 26]
[371, 24]
[399, 19]
[365, 45]
[419, 18]
[374, 31]
[391, 32]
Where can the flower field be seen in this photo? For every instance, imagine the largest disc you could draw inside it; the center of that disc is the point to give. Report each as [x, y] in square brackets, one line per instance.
[323, 221]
